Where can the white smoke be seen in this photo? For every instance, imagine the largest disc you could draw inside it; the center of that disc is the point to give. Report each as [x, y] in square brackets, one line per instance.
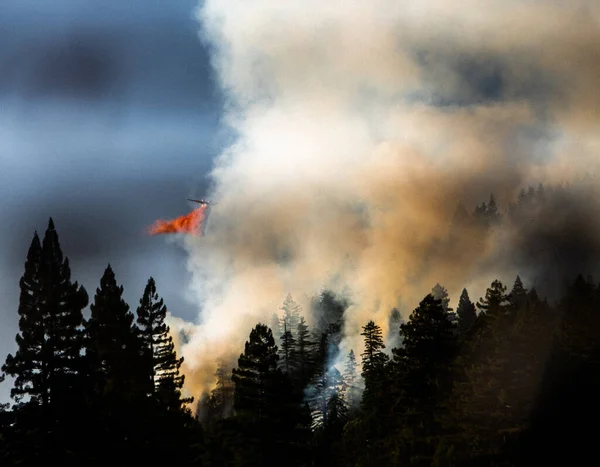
[359, 127]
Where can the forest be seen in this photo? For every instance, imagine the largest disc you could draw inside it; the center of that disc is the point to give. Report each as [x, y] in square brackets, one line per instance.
[511, 378]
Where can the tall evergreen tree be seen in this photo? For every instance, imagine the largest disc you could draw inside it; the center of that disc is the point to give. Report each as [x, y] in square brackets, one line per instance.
[257, 375]
[425, 378]
[29, 365]
[373, 363]
[292, 312]
[114, 350]
[158, 350]
[224, 389]
[287, 351]
[351, 381]
[48, 360]
[47, 365]
[440, 292]
[320, 391]
[466, 312]
[517, 296]
[268, 414]
[304, 355]
[494, 302]
[492, 212]
[329, 311]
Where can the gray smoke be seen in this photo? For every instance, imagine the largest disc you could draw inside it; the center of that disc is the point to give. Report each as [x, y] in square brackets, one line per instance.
[359, 128]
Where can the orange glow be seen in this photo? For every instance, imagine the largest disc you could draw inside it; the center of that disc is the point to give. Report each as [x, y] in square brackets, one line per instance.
[190, 223]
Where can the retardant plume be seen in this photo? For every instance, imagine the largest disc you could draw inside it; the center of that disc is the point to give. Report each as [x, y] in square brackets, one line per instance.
[191, 223]
[359, 127]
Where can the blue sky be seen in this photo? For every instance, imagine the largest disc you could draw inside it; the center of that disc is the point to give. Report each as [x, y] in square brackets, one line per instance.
[109, 119]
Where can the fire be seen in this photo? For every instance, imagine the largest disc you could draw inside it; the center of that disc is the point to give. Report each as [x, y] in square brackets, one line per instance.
[190, 223]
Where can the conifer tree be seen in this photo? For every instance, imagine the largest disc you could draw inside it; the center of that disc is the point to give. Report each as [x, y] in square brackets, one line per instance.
[337, 406]
[466, 312]
[327, 389]
[291, 315]
[47, 363]
[492, 213]
[224, 389]
[373, 363]
[329, 311]
[425, 379]
[268, 414]
[114, 350]
[304, 355]
[494, 302]
[351, 381]
[517, 296]
[158, 350]
[287, 351]
[440, 292]
[319, 392]
[373, 358]
[257, 374]
[28, 365]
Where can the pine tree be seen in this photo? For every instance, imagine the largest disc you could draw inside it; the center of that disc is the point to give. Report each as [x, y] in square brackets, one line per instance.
[373, 363]
[48, 360]
[492, 213]
[304, 355]
[161, 362]
[440, 292]
[114, 350]
[320, 390]
[257, 374]
[517, 296]
[337, 407]
[47, 365]
[424, 364]
[373, 358]
[428, 336]
[28, 365]
[224, 389]
[329, 311]
[351, 381]
[466, 312]
[494, 303]
[291, 315]
[287, 351]
[267, 411]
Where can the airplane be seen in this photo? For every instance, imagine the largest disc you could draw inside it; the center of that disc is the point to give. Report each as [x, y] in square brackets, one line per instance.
[201, 201]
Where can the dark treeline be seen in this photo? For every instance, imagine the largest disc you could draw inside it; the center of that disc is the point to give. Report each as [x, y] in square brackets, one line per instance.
[97, 391]
[508, 379]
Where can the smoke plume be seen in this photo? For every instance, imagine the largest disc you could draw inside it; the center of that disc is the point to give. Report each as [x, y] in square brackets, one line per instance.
[359, 128]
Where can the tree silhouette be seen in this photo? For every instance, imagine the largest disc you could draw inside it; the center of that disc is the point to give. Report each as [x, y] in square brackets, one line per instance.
[517, 296]
[158, 350]
[48, 358]
[373, 364]
[114, 349]
[351, 381]
[466, 312]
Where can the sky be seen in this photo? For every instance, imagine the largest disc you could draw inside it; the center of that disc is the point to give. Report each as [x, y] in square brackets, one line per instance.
[109, 119]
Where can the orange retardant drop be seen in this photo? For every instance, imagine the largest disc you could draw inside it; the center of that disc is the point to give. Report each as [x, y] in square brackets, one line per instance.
[190, 223]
